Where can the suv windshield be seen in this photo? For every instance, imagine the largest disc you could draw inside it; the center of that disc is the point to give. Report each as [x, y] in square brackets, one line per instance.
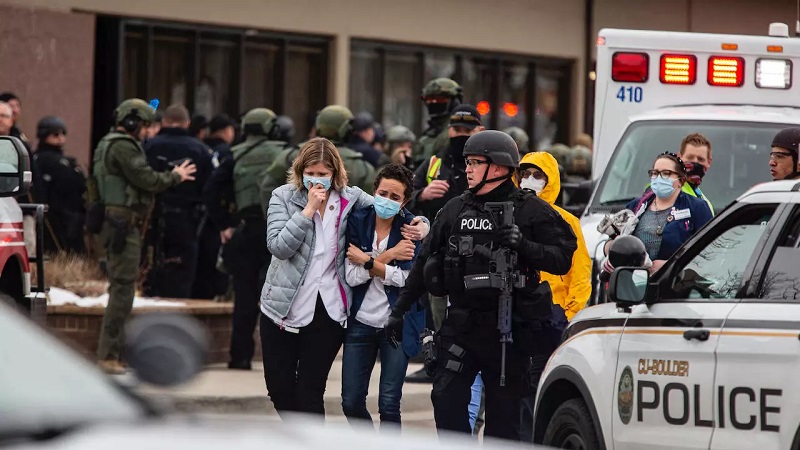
[740, 152]
[45, 386]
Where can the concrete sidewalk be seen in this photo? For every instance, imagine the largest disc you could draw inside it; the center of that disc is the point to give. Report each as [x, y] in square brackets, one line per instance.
[218, 390]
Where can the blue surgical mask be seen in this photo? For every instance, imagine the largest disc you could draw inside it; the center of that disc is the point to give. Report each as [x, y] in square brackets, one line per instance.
[385, 208]
[663, 188]
[324, 181]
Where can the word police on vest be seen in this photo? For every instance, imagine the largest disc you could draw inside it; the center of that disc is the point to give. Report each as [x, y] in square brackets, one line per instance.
[476, 224]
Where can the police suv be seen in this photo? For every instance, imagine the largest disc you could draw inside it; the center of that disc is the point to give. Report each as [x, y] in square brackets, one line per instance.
[653, 88]
[705, 353]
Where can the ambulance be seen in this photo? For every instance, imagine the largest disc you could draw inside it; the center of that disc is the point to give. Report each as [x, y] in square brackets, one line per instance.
[653, 88]
[15, 260]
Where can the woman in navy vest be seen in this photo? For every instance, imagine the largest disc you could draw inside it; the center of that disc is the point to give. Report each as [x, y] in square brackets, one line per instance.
[378, 261]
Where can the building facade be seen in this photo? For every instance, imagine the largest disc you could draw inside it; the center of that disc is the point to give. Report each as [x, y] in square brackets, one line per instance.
[523, 62]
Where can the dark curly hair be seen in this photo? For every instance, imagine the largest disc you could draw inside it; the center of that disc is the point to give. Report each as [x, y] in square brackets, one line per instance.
[397, 172]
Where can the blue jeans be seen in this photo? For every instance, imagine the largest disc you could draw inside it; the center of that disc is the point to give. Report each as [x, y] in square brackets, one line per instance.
[362, 345]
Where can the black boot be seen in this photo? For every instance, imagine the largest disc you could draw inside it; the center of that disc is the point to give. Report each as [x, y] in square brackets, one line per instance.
[419, 376]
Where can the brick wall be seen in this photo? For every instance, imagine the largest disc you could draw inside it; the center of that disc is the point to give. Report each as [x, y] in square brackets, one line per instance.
[80, 327]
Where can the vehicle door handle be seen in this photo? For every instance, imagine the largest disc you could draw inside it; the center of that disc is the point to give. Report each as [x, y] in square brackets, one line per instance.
[697, 333]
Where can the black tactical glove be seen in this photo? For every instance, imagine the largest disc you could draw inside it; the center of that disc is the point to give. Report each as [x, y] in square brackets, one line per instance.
[510, 236]
[394, 328]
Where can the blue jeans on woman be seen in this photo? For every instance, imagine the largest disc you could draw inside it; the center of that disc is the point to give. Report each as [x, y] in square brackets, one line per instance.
[362, 345]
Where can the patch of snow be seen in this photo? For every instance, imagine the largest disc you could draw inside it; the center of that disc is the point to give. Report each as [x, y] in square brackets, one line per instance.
[59, 296]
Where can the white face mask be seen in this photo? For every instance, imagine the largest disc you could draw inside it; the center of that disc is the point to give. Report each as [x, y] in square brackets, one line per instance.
[533, 184]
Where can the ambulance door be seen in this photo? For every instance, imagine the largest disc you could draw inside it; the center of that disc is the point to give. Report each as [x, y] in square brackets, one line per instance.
[758, 356]
[667, 351]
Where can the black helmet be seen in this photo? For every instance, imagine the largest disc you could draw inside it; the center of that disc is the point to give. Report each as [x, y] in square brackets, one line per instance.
[284, 128]
[788, 139]
[627, 251]
[50, 124]
[499, 147]
[433, 275]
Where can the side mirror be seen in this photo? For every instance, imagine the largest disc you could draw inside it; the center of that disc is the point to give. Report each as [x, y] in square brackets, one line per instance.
[628, 286]
[166, 349]
[15, 167]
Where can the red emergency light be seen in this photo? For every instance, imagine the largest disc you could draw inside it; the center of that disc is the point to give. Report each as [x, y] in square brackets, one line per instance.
[725, 71]
[630, 67]
[678, 69]
[483, 107]
[510, 109]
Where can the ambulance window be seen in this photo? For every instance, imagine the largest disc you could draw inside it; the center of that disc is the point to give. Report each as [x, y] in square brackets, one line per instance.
[718, 265]
[782, 278]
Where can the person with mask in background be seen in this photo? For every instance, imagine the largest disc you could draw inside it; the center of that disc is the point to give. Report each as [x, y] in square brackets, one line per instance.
[62, 186]
[441, 96]
[400, 144]
[696, 155]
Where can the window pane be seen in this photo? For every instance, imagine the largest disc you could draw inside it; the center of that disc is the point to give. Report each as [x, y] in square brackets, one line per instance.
[545, 123]
[365, 72]
[439, 65]
[133, 73]
[477, 84]
[213, 92]
[258, 90]
[170, 54]
[513, 96]
[305, 86]
[401, 98]
[716, 272]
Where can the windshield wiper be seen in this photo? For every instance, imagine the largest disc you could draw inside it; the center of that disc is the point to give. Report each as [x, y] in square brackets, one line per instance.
[615, 201]
[8, 437]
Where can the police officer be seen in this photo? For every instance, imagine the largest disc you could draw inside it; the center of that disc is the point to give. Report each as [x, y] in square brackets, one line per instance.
[284, 130]
[243, 231]
[335, 123]
[441, 96]
[62, 187]
[361, 138]
[221, 133]
[521, 138]
[174, 230]
[125, 185]
[784, 163]
[469, 340]
[400, 143]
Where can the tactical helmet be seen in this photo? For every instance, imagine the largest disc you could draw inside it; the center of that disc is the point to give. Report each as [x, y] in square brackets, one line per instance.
[580, 161]
[627, 251]
[334, 122]
[48, 125]
[433, 275]
[284, 128]
[399, 133]
[380, 134]
[520, 137]
[258, 121]
[499, 147]
[442, 87]
[788, 139]
[561, 153]
[134, 110]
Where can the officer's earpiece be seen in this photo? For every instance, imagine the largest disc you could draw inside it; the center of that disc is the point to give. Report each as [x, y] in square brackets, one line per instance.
[271, 129]
[130, 123]
[345, 129]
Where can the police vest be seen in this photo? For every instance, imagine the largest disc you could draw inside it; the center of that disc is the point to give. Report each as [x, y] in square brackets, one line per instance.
[251, 161]
[434, 167]
[114, 190]
[428, 145]
[359, 171]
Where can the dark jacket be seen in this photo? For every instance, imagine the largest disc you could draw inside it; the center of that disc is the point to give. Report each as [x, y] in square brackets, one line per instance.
[361, 233]
[370, 153]
[169, 148]
[61, 185]
[452, 171]
[548, 243]
[675, 232]
[220, 149]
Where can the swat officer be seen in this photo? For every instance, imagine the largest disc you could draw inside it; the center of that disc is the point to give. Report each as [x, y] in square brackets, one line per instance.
[243, 231]
[462, 235]
[521, 138]
[175, 225]
[122, 192]
[400, 142]
[441, 96]
[284, 130]
[335, 123]
[62, 186]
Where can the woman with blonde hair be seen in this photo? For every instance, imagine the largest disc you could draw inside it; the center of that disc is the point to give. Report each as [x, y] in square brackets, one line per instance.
[305, 299]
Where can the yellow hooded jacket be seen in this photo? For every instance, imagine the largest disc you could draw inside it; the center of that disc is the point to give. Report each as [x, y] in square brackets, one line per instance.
[572, 290]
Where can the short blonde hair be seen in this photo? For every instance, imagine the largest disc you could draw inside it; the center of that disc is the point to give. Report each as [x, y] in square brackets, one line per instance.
[315, 151]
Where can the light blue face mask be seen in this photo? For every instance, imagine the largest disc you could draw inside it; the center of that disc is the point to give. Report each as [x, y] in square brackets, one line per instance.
[663, 188]
[385, 208]
[324, 181]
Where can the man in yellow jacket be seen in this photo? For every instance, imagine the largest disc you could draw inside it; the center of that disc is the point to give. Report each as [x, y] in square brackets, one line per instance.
[538, 171]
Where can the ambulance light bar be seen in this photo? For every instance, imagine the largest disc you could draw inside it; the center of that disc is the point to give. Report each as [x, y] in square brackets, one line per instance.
[630, 67]
[678, 69]
[726, 71]
[774, 73]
